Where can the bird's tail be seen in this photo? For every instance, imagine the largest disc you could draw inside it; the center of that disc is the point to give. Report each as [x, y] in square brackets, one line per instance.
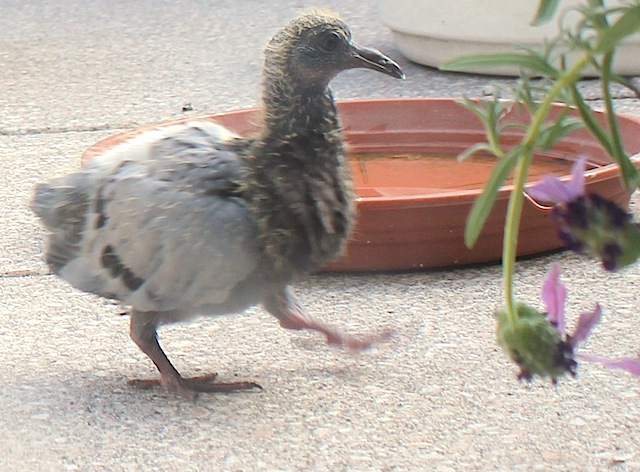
[62, 206]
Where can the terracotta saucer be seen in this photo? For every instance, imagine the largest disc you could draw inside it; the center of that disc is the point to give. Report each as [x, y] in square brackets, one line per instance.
[414, 196]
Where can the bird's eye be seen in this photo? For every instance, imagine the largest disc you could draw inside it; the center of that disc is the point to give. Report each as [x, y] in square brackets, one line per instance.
[329, 41]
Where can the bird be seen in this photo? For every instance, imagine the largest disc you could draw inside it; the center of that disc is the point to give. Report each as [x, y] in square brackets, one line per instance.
[193, 220]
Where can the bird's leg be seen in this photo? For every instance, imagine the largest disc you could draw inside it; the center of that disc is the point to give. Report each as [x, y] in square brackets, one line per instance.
[144, 334]
[283, 306]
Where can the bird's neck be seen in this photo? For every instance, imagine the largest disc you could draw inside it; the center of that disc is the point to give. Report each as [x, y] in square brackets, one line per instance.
[301, 130]
[290, 109]
[303, 191]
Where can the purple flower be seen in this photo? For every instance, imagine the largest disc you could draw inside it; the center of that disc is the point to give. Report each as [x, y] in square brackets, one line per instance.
[588, 223]
[630, 365]
[552, 189]
[554, 295]
[538, 342]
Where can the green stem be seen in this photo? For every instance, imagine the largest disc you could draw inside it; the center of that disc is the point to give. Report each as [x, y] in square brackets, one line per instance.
[516, 199]
[512, 226]
[618, 150]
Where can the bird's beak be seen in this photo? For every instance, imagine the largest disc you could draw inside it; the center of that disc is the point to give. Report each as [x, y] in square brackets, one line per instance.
[373, 59]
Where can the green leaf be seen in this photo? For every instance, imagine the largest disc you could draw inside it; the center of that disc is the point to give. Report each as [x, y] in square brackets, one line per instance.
[560, 128]
[489, 113]
[626, 25]
[629, 172]
[484, 203]
[514, 125]
[590, 121]
[479, 147]
[523, 60]
[475, 106]
[546, 11]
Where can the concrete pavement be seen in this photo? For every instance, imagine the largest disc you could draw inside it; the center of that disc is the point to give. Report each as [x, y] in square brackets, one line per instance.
[439, 396]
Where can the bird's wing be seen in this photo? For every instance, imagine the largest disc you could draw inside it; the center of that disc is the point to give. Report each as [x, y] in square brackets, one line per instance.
[163, 226]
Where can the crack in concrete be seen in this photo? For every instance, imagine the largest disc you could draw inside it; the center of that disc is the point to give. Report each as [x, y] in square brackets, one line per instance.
[65, 129]
[23, 273]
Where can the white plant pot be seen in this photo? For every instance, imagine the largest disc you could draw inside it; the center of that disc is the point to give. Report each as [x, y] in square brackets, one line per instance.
[431, 32]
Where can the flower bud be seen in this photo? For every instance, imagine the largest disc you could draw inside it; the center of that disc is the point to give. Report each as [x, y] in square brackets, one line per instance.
[535, 344]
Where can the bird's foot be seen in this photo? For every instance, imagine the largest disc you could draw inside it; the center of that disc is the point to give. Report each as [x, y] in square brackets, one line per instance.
[334, 337]
[189, 388]
[283, 306]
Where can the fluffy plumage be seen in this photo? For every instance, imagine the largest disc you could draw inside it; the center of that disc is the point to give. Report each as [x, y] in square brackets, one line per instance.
[193, 220]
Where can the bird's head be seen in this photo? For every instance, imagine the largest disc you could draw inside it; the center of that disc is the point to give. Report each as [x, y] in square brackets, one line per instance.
[313, 48]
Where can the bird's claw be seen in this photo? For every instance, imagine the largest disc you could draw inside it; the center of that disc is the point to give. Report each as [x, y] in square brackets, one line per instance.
[336, 338]
[191, 387]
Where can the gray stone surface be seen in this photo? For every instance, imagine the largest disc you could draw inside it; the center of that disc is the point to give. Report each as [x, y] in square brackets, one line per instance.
[439, 396]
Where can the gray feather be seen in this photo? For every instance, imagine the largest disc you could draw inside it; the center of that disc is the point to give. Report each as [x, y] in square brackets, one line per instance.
[162, 229]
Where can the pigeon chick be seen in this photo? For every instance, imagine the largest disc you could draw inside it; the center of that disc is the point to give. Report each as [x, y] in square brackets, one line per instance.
[193, 220]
